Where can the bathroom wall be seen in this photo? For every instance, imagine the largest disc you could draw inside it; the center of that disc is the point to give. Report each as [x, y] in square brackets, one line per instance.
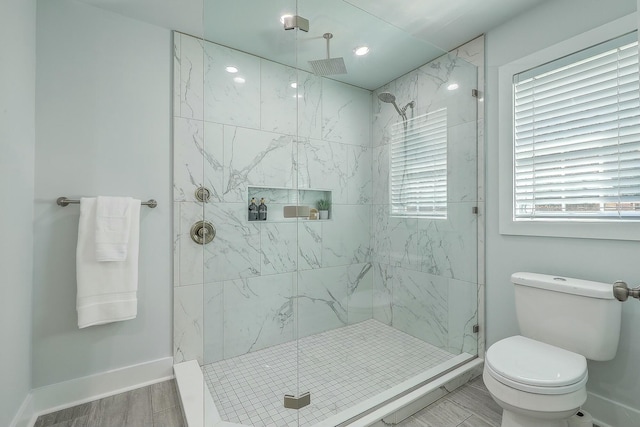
[611, 384]
[264, 133]
[17, 141]
[426, 270]
[103, 128]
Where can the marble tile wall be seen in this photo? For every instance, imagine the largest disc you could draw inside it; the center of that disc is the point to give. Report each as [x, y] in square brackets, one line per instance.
[260, 284]
[426, 270]
[264, 283]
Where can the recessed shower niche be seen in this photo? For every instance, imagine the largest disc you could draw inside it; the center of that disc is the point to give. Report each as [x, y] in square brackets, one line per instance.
[282, 202]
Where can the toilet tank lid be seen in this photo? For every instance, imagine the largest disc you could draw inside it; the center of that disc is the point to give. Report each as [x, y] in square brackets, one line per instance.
[566, 285]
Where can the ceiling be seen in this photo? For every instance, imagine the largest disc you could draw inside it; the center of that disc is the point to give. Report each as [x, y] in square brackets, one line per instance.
[401, 35]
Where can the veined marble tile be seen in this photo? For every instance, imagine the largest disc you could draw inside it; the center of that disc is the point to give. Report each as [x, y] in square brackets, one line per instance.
[472, 52]
[434, 80]
[258, 313]
[278, 248]
[188, 323]
[309, 96]
[420, 305]
[235, 251]
[448, 247]
[278, 99]
[231, 98]
[197, 159]
[176, 243]
[322, 301]
[191, 77]
[360, 292]
[345, 113]
[323, 165]
[253, 157]
[394, 240]
[309, 245]
[359, 175]
[380, 167]
[383, 292]
[213, 322]
[346, 237]
[176, 73]
[463, 315]
[462, 159]
[191, 254]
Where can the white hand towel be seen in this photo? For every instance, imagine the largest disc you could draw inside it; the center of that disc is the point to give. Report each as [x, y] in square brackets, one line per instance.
[113, 222]
[107, 291]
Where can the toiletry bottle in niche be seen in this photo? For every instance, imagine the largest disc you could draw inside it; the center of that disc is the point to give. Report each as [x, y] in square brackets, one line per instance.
[262, 210]
[253, 210]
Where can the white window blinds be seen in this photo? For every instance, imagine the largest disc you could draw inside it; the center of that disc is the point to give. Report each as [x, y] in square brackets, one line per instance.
[577, 135]
[419, 166]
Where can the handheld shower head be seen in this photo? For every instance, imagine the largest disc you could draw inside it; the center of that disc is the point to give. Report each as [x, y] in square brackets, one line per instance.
[390, 98]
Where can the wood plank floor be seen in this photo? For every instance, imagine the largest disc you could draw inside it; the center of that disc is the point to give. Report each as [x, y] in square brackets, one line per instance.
[469, 406]
[156, 405]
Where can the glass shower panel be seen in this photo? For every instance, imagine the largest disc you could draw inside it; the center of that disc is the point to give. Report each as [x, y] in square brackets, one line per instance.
[250, 139]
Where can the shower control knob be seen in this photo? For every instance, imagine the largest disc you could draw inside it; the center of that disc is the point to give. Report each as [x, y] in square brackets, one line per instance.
[203, 232]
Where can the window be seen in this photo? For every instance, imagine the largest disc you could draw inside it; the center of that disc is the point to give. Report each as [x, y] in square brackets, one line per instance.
[419, 166]
[576, 136]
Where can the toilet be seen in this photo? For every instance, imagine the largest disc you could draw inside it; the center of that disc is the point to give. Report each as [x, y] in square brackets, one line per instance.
[539, 377]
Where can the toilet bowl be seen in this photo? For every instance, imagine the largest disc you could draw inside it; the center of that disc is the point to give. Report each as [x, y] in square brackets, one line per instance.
[539, 377]
[536, 384]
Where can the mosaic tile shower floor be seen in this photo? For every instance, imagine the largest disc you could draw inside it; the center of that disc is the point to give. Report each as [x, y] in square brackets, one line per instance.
[341, 368]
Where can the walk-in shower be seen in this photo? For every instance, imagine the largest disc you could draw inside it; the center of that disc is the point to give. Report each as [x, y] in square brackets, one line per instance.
[295, 320]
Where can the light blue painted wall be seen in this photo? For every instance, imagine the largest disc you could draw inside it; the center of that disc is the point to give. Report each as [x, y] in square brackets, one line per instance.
[103, 128]
[17, 140]
[600, 260]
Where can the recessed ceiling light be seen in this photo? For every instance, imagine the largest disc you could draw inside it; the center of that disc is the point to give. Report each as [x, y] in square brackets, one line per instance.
[453, 86]
[294, 85]
[231, 69]
[362, 50]
[238, 79]
[283, 17]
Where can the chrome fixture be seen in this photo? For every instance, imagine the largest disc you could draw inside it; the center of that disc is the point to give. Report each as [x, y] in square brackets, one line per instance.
[203, 232]
[293, 402]
[329, 66]
[621, 291]
[63, 201]
[203, 194]
[390, 98]
[291, 22]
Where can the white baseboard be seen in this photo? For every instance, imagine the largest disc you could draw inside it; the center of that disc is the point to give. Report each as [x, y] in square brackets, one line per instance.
[55, 397]
[609, 413]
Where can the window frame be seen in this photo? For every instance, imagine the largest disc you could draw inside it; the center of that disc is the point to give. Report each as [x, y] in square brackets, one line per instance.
[569, 227]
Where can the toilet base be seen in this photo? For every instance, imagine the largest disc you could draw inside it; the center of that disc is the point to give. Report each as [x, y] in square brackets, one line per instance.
[512, 419]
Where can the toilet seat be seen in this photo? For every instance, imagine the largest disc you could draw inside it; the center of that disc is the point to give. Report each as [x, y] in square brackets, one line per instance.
[536, 367]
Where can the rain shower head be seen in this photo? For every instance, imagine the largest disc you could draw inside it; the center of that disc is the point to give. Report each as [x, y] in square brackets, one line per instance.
[329, 66]
[390, 98]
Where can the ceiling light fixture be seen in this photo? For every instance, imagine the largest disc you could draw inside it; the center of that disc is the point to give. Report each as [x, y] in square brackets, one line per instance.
[294, 85]
[238, 79]
[231, 69]
[453, 86]
[362, 50]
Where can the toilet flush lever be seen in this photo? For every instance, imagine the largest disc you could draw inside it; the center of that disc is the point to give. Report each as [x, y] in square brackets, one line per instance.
[621, 291]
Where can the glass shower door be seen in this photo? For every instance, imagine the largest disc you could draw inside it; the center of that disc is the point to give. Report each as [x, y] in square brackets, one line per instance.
[250, 283]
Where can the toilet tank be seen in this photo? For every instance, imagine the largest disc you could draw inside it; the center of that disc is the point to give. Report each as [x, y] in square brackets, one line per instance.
[577, 315]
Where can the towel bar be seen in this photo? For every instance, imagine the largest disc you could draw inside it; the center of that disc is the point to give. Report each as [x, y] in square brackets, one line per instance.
[63, 201]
